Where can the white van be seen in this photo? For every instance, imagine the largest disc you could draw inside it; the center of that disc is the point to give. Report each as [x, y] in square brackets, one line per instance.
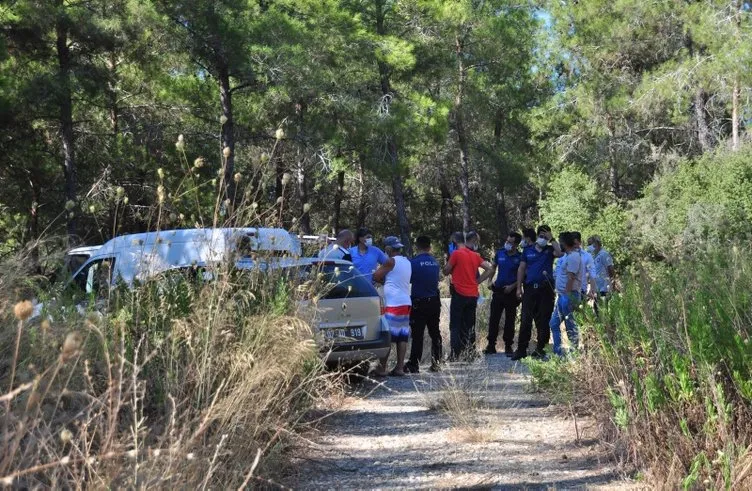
[140, 256]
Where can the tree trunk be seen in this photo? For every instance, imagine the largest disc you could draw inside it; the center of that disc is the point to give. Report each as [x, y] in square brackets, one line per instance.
[228, 134]
[700, 98]
[363, 207]
[305, 216]
[501, 205]
[339, 194]
[33, 229]
[112, 96]
[459, 127]
[703, 129]
[391, 146]
[446, 215]
[501, 215]
[67, 138]
[735, 115]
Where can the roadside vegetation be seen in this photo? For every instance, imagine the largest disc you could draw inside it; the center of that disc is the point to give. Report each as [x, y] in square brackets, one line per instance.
[666, 371]
[181, 383]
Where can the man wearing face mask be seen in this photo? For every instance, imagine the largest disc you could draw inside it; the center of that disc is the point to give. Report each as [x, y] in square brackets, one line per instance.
[463, 266]
[505, 300]
[536, 289]
[366, 256]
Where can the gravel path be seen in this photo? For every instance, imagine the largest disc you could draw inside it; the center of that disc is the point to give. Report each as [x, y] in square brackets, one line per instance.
[474, 425]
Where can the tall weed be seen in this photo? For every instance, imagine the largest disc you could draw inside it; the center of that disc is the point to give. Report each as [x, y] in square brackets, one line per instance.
[175, 383]
[666, 370]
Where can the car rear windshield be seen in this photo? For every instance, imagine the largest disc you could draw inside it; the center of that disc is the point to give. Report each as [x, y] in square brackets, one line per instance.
[334, 280]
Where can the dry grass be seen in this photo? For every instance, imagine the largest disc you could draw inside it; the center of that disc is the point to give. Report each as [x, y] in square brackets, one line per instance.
[152, 395]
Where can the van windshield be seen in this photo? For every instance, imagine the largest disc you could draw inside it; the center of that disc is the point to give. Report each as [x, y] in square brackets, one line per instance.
[334, 280]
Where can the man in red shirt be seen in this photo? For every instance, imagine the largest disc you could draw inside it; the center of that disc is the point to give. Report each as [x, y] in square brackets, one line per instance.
[463, 265]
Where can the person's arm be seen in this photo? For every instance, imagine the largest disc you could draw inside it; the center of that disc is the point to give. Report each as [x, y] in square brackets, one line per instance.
[487, 268]
[380, 274]
[383, 258]
[493, 272]
[449, 266]
[555, 245]
[521, 270]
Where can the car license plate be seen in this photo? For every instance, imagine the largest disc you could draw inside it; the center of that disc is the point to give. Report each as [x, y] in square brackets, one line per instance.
[343, 332]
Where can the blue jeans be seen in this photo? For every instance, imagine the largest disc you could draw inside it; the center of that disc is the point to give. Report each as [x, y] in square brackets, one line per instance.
[565, 313]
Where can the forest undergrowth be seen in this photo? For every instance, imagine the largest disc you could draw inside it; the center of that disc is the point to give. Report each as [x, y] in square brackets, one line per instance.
[666, 372]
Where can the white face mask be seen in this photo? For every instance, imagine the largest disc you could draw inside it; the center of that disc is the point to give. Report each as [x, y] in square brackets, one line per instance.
[541, 241]
[369, 242]
[508, 247]
[591, 249]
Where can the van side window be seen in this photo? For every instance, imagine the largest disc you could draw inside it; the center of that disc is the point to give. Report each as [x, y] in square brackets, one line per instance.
[96, 277]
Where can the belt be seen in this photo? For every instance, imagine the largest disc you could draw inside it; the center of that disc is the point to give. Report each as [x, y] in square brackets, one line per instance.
[535, 286]
[424, 299]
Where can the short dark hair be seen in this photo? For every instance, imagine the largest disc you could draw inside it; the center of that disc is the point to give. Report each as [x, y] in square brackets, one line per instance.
[529, 233]
[543, 228]
[577, 236]
[423, 243]
[472, 235]
[362, 232]
[567, 238]
[516, 236]
[458, 238]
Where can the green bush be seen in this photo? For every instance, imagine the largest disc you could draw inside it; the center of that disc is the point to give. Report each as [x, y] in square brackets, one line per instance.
[696, 203]
[667, 370]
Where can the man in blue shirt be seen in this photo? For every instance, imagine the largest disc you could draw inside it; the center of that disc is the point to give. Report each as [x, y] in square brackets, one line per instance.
[536, 289]
[426, 311]
[366, 256]
[507, 262]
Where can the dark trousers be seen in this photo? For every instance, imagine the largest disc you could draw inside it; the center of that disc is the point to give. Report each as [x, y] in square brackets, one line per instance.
[537, 306]
[506, 303]
[462, 324]
[426, 313]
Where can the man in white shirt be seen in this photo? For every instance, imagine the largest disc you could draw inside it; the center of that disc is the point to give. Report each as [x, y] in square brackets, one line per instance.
[340, 249]
[568, 291]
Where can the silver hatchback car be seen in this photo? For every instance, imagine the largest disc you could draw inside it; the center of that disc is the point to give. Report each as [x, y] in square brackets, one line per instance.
[346, 311]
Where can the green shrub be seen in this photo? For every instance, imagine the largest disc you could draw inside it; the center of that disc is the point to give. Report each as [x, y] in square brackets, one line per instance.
[667, 370]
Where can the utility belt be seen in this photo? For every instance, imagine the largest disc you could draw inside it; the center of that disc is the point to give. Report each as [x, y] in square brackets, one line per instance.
[538, 285]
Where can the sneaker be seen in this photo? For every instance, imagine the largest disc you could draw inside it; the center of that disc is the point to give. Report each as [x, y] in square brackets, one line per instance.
[509, 351]
[539, 354]
[518, 355]
[490, 350]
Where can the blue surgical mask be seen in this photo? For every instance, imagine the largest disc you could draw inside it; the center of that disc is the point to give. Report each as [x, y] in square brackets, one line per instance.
[590, 249]
[541, 241]
[508, 247]
[369, 242]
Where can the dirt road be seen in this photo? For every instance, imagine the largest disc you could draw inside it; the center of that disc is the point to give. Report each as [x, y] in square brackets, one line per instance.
[473, 425]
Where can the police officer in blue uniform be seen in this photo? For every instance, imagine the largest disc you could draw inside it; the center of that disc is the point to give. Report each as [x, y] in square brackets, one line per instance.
[535, 286]
[507, 263]
[426, 309]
